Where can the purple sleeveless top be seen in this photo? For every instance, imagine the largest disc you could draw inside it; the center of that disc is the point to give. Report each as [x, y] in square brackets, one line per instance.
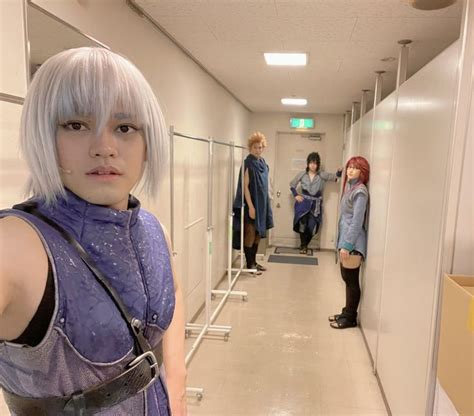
[88, 341]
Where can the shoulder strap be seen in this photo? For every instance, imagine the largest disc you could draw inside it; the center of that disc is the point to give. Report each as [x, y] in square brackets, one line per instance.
[141, 343]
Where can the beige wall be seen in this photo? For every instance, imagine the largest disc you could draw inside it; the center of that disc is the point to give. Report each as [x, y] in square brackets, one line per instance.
[330, 124]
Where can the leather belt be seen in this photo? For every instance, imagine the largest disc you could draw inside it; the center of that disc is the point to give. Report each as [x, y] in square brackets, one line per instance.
[139, 374]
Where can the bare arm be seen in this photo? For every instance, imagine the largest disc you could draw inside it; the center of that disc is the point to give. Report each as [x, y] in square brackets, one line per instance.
[248, 197]
[23, 274]
[173, 350]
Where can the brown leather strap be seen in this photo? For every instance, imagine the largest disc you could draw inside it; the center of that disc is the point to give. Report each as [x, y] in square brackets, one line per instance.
[138, 375]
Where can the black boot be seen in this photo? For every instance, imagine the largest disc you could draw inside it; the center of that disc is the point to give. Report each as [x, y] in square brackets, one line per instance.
[348, 317]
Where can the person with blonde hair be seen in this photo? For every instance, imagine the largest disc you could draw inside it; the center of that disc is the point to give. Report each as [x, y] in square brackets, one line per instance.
[91, 316]
[258, 217]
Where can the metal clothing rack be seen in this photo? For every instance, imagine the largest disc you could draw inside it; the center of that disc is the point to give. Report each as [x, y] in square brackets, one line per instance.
[208, 326]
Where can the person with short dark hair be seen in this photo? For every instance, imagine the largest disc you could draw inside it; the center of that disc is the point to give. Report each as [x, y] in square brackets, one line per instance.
[309, 201]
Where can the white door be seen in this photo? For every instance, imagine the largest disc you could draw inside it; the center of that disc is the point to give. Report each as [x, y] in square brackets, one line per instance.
[291, 153]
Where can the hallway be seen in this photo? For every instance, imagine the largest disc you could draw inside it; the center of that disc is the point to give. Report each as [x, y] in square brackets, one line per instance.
[282, 358]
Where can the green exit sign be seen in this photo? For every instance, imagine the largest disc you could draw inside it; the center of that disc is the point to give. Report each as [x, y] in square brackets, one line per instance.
[302, 123]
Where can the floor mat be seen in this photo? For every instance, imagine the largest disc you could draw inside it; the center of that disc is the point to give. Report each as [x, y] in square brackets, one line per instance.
[310, 261]
[289, 250]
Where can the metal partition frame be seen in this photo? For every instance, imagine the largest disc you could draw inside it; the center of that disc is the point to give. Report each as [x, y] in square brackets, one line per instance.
[208, 327]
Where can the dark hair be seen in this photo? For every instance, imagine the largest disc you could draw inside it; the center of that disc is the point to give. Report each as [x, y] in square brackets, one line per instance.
[313, 157]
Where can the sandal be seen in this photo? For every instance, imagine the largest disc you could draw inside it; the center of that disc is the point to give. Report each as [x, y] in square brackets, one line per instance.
[260, 268]
[343, 322]
[304, 250]
[334, 318]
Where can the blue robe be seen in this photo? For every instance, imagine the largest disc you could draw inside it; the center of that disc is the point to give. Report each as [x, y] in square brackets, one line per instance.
[258, 187]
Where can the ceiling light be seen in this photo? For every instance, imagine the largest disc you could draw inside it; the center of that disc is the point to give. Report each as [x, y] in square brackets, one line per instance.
[289, 59]
[294, 101]
[431, 4]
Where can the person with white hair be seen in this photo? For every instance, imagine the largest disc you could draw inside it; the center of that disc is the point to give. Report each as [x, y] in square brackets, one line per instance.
[91, 313]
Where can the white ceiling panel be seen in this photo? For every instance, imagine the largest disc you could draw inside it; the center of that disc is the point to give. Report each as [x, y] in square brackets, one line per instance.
[345, 40]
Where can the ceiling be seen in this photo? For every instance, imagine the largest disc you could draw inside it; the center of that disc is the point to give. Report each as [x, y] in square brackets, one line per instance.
[345, 40]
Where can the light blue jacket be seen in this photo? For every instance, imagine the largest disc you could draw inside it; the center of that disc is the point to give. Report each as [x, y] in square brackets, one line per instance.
[352, 233]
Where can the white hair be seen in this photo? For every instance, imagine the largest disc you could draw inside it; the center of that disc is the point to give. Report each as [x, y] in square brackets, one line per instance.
[87, 82]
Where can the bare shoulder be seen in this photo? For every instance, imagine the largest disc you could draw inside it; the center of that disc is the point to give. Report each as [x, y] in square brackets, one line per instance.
[23, 264]
[19, 238]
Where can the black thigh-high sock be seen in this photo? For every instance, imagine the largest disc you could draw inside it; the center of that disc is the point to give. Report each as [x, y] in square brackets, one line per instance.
[249, 256]
[255, 249]
[351, 278]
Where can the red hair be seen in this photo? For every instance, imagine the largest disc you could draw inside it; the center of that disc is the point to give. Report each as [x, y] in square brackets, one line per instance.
[360, 163]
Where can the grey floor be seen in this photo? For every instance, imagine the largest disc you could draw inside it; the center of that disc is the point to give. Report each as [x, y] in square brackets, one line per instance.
[282, 358]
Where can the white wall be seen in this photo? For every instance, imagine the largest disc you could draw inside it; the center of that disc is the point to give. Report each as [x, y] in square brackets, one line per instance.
[13, 82]
[272, 123]
[463, 262]
[191, 101]
[407, 140]
[12, 48]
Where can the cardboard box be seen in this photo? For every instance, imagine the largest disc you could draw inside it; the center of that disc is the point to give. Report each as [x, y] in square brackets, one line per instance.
[456, 346]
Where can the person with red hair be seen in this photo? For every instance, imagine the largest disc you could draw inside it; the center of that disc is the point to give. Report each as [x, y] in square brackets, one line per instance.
[352, 237]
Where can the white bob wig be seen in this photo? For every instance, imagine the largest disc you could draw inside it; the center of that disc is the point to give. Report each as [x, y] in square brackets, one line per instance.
[92, 82]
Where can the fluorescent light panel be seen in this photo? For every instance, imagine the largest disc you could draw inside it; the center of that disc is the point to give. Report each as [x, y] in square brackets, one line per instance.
[294, 101]
[288, 59]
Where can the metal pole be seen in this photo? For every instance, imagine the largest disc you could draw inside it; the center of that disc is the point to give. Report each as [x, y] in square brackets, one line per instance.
[242, 173]
[230, 210]
[363, 102]
[354, 112]
[172, 187]
[209, 232]
[378, 87]
[402, 61]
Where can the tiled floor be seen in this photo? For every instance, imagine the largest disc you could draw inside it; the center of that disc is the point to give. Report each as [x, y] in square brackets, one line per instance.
[282, 358]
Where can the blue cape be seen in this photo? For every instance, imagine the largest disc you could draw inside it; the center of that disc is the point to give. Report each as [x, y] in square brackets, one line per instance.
[258, 187]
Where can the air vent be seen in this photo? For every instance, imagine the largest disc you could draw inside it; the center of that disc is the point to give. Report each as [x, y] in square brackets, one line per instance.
[313, 136]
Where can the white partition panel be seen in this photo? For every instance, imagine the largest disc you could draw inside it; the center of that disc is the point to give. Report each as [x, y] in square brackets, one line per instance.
[12, 48]
[463, 262]
[365, 139]
[190, 218]
[352, 144]
[379, 187]
[423, 133]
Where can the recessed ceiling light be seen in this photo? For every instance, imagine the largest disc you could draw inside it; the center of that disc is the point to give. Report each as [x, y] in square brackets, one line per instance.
[431, 4]
[289, 59]
[388, 59]
[294, 101]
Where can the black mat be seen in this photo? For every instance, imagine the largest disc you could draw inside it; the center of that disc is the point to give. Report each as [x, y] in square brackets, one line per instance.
[310, 261]
[290, 250]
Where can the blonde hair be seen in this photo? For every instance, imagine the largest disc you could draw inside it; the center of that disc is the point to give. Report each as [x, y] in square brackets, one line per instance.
[87, 82]
[257, 137]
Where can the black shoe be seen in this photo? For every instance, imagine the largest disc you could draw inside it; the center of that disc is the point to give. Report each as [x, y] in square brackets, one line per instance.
[343, 322]
[334, 318]
[260, 268]
[303, 250]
